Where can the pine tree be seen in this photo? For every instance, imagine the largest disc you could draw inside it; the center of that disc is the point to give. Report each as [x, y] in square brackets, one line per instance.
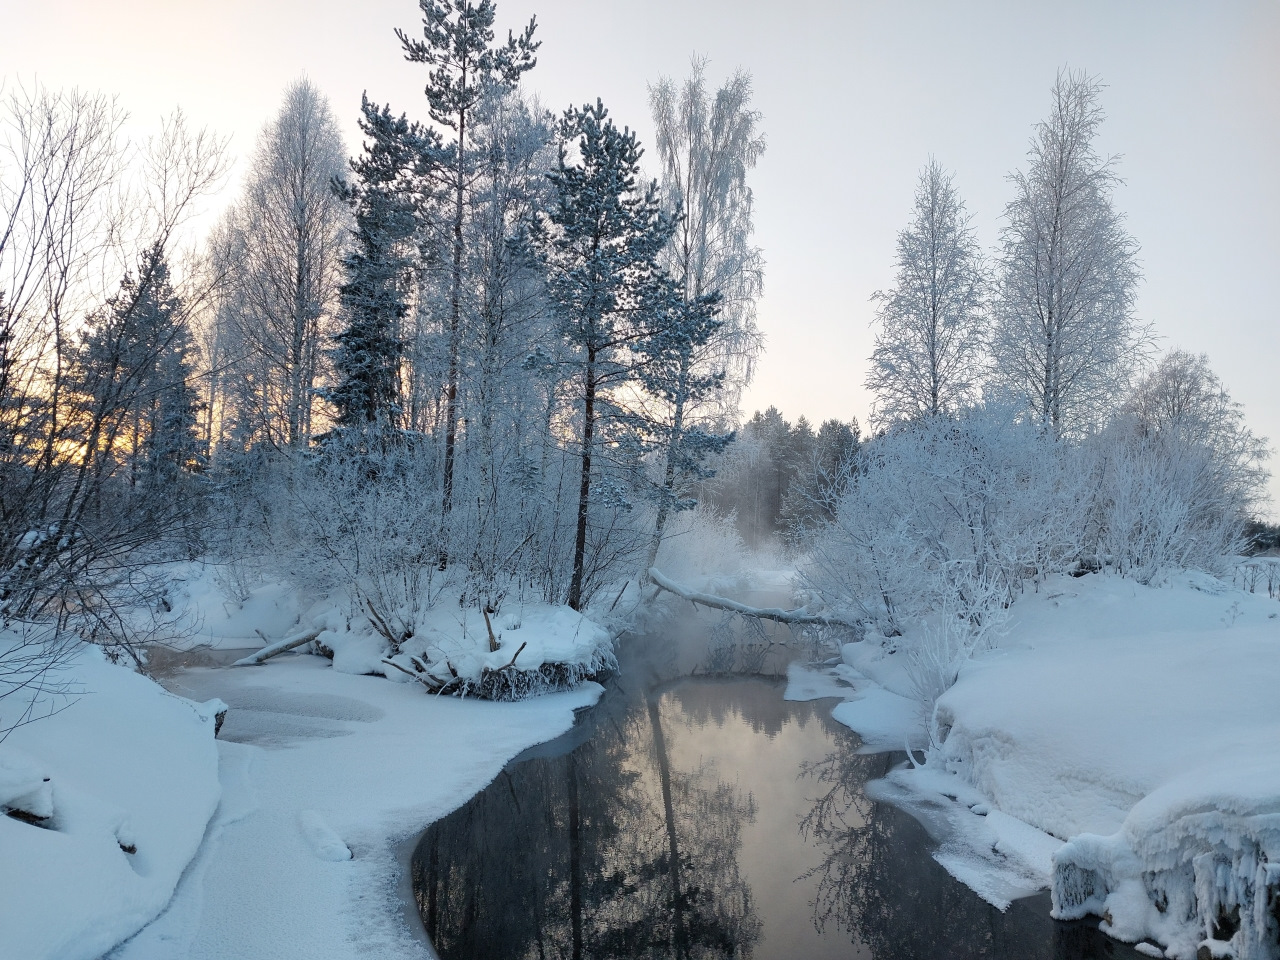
[135, 370]
[678, 331]
[458, 45]
[599, 244]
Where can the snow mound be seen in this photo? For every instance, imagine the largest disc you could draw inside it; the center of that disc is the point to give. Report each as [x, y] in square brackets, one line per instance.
[320, 837]
[108, 800]
[540, 648]
[1140, 725]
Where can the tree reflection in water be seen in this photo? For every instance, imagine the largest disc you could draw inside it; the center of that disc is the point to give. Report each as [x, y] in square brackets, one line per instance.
[608, 851]
[707, 819]
[879, 885]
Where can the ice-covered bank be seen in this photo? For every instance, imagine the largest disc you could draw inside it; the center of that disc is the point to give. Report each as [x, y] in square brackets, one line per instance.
[107, 801]
[1139, 730]
[324, 774]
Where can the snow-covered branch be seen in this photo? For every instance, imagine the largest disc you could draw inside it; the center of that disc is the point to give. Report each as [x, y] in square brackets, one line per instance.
[800, 615]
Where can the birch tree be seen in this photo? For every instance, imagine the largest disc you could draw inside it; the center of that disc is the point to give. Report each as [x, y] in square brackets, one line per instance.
[929, 349]
[288, 232]
[1065, 338]
[707, 146]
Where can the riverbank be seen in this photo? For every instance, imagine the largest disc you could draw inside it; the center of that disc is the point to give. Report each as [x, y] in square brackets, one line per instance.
[315, 762]
[1115, 734]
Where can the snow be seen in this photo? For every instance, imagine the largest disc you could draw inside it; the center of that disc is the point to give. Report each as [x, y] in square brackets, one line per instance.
[128, 766]
[284, 837]
[1124, 744]
[203, 614]
[315, 761]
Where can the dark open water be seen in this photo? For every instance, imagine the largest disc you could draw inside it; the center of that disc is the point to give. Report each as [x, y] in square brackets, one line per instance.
[705, 817]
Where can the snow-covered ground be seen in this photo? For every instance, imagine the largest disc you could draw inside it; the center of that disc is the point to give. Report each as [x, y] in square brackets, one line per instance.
[1121, 743]
[285, 836]
[316, 762]
[115, 790]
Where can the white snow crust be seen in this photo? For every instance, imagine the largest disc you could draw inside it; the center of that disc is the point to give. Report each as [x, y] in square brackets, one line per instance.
[1121, 745]
[122, 766]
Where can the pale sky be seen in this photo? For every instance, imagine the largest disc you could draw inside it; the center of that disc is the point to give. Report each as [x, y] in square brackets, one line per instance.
[855, 97]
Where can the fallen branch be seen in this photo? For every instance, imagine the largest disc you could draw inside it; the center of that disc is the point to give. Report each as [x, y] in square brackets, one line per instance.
[801, 615]
[513, 658]
[269, 651]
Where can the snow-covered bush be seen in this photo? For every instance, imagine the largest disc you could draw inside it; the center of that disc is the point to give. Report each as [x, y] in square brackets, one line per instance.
[1162, 506]
[949, 513]
[943, 524]
[353, 526]
[699, 545]
[1179, 474]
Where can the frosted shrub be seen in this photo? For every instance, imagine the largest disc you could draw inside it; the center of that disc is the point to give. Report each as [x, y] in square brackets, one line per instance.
[700, 544]
[954, 513]
[945, 522]
[1164, 506]
[355, 524]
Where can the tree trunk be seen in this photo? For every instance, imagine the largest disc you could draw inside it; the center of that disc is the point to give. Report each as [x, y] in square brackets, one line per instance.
[584, 487]
[455, 322]
[673, 451]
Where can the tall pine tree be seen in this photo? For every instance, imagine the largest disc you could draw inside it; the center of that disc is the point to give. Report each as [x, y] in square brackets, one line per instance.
[458, 46]
[599, 244]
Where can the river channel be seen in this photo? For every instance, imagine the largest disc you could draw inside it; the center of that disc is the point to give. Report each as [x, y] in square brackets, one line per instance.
[695, 813]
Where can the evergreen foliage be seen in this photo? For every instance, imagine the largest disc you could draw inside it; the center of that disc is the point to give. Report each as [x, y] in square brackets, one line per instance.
[600, 244]
[369, 350]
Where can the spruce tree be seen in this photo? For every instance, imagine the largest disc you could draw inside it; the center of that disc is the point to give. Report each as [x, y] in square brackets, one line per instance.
[369, 350]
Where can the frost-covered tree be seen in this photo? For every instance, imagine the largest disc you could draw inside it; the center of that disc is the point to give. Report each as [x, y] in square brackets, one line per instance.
[930, 348]
[599, 243]
[706, 146]
[1064, 337]
[72, 220]
[1183, 396]
[134, 374]
[1180, 474]
[822, 479]
[465, 64]
[282, 254]
[366, 394]
[676, 332]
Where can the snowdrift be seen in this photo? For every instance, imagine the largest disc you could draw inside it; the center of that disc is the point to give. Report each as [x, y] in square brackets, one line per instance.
[1137, 729]
[107, 802]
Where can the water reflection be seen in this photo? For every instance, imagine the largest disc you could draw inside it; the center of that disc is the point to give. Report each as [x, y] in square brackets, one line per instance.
[611, 850]
[706, 819]
[878, 885]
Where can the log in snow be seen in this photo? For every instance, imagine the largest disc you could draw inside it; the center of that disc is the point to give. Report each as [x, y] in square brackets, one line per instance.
[269, 651]
[801, 615]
